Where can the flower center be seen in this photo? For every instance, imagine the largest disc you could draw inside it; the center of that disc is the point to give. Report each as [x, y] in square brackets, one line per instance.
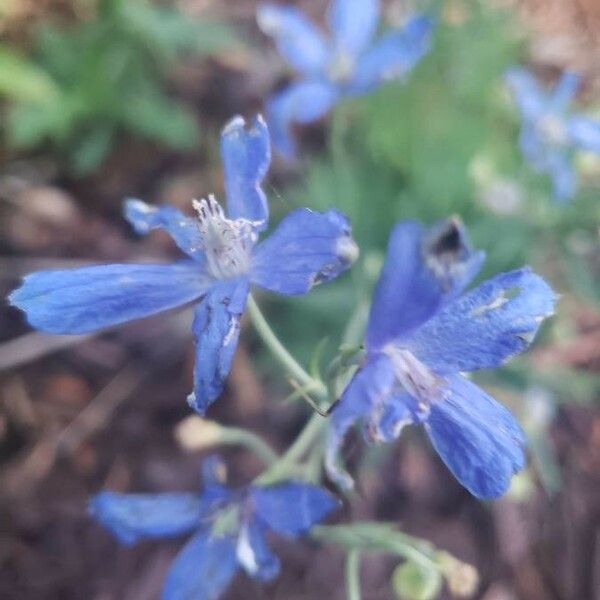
[418, 380]
[226, 242]
[341, 66]
[552, 129]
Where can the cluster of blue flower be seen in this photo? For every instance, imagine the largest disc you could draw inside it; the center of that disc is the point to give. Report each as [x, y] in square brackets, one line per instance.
[423, 332]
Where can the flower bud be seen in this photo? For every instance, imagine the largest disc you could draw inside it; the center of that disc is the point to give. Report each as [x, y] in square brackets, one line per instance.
[412, 581]
[195, 433]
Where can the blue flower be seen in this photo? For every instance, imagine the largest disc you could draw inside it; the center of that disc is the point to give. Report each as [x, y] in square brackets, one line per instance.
[224, 259]
[550, 133]
[229, 527]
[348, 64]
[422, 334]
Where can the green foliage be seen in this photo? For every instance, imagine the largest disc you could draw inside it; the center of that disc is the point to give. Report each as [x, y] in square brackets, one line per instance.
[84, 84]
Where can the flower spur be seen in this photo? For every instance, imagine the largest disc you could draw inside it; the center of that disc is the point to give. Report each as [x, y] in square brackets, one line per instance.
[352, 62]
[229, 527]
[550, 133]
[224, 258]
[422, 335]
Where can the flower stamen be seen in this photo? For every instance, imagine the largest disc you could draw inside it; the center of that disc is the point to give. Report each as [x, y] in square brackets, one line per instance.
[226, 242]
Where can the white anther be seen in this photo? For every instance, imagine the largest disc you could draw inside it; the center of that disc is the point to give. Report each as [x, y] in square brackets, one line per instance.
[419, 381]
[226, 242]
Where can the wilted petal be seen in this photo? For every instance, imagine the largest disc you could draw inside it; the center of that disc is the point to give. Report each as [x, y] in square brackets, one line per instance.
[203, 569]
[423, 269]
[353, 23]
[82, 300]
[389, 418]
[301, 102]
[184, 230]
[368, 388]
[246, 155]
[305, 249]
[394, 55]
[527, 93]
[216, 328]
[486, 326]
[297, 39]
[292, 508]
[479, 440]
[585, 133]
[254, 554]
[131, 517]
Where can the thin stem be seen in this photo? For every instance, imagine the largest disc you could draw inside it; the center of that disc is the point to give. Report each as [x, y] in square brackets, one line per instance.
[279, 351]
[243, 437]
[353, 575]
[301, 444]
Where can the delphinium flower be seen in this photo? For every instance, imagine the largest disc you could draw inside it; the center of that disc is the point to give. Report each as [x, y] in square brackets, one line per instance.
[423, 334]
[229, 527]
[550, 132]
[350, 63]
[224, 258]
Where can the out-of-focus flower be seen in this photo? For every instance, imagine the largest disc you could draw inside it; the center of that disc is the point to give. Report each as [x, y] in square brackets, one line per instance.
[351, 62]
[306, 248]
[550, 132]
[422, 335]
[229, 527]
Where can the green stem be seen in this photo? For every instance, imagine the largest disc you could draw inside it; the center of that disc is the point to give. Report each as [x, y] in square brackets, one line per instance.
[286, 463]
[243, 437]
[377, 537]
[286, 360]
[353, 575]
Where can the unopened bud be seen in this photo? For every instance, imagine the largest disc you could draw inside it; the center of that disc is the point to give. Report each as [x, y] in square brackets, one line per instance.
[462, 578]
[412, 581]
[195, 433]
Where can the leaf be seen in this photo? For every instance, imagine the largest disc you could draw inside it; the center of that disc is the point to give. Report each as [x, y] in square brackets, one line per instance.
[22, 80]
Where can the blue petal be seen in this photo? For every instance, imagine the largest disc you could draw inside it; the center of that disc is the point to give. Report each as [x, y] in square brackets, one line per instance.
[216, 328]
[203, 569]
[585, 133]
[131, 517]
[564, 91]
[214, 493]
[184, 230]
[366, 391]
[82, 300]
[486, 326]
[388, 419]
[254, 554]
[562, 173]
[394, 55]
[292, 508]
[353, 23]
[301, 102]
[305, 249]
[527, 93]
[532, 146]
[478, 439]
[246, 155]
[298, 41]
[423, 268]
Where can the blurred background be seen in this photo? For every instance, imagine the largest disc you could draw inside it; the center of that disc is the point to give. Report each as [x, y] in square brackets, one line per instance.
[104, 99]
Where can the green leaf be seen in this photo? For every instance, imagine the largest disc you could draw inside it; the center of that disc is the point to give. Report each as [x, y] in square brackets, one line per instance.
[153, 115]
[22, 80]
[91, 149]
